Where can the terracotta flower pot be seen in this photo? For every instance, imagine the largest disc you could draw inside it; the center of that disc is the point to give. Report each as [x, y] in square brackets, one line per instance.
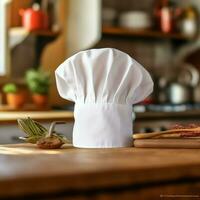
[40, 100]
[15, 100]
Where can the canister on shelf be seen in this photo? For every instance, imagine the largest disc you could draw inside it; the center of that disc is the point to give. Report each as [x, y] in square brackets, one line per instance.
[189, 21]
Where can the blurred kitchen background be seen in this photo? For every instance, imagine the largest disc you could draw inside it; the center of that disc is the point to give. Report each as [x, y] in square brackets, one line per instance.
[163, 35]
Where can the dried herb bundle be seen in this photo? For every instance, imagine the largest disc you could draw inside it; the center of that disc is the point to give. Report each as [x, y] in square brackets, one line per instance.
[38, 134]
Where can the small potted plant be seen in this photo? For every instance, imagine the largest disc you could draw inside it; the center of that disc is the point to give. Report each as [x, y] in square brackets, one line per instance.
[15, 98]
[38, 82]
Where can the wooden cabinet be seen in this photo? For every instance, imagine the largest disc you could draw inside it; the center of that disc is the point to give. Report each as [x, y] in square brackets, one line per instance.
[23, 42]
[151, 34]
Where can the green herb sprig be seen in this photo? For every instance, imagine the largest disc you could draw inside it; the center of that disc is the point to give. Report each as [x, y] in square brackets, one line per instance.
[35, 133]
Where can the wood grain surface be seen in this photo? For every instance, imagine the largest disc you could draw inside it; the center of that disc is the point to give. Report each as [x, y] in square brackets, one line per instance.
[186, 143]
[26, 170]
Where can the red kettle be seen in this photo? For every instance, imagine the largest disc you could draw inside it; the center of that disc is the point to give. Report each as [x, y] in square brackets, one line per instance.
[34, 18]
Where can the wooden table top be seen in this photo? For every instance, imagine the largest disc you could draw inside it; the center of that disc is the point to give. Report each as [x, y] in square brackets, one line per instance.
[25, 169]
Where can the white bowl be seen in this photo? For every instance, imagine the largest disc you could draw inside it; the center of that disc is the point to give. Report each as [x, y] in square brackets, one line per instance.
[135, 19]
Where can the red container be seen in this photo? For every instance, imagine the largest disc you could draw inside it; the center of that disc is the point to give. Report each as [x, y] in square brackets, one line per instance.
[33, 19]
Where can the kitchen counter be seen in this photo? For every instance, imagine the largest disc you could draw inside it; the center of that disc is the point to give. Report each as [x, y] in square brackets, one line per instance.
[7, 117]
[11, 116]
[168, 115]
[119, 173]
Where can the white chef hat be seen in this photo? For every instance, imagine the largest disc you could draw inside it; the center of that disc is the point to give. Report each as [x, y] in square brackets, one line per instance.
[103, 83]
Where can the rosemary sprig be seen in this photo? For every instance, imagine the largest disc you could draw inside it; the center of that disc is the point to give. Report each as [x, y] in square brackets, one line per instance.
[32, 130]
[35, 132]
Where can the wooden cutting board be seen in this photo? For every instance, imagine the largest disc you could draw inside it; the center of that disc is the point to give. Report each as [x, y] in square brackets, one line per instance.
[168, 143]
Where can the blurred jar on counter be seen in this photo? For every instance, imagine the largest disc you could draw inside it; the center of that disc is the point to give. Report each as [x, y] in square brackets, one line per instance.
[188, 23]
[166, 13]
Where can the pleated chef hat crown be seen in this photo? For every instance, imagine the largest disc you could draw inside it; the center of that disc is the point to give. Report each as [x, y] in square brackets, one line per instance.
[103, 83]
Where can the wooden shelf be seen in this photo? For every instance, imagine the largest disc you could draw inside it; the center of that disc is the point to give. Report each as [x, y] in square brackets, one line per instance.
[23, 31]
[26, 107]
[47, 33]
[118, 31]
